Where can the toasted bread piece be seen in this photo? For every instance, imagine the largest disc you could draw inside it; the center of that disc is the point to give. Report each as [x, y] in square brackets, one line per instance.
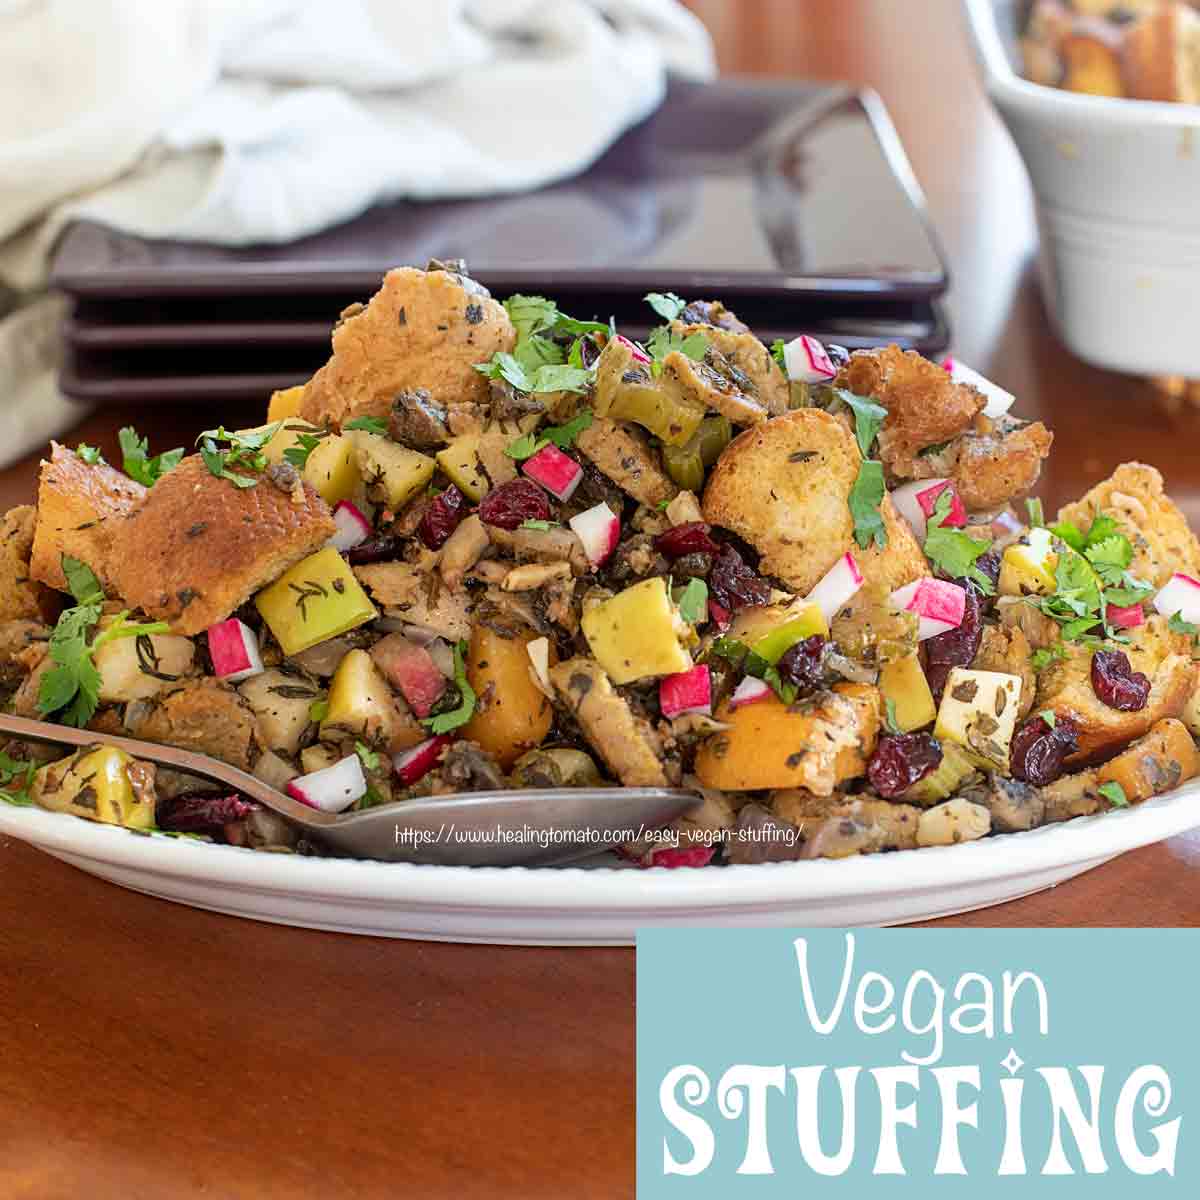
[422, 329]
[1066, 689]
[925, 406]
[783, 486]
[77, 510]
[1091, 57]
[21, 597]
[748, 355]
[995, 468]
[1160, 56]
[198, 547]
[205, 715]
[1162, 541]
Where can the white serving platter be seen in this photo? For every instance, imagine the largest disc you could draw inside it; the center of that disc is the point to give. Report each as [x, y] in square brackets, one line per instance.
[592, 906]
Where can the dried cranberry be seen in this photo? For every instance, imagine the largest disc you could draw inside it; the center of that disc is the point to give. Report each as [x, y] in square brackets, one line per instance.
[383, 548]
[512, 504]
[802, 664]
[201, 812]
[733, 585]
[989, 565]
[902, 759]
[589, 351]
[1117, 683]
[956, 647]
[442, 517]
[1039, 753]
[692, 538]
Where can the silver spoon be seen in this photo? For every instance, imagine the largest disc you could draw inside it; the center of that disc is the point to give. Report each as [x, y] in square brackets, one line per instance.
[517, 827]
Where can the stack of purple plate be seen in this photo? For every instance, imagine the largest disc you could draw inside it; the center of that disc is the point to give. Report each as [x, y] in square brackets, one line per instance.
[793, 203]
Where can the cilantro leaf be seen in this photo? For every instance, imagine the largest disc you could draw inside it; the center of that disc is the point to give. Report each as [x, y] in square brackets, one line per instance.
[1037, 518]
[953, 552]
[778, 348]
[1066, 531]
[368, 757]
[89, 454]
[81, 580]
[864, 501]
[562, 436]
[531, 314]
[1041, 659]
[561, 378]
[298, 454]
[740, 655]
[1110, 556]
[369, 425]
[868, 417]
[667, 305]
[662, 341]
[1049, 716]
[16, 780]
[1131, 590]
[523, 447]
[245, 450]
[445, 722]
[1114, 793]
[1176, 624]
[693, 602]
[136, 460]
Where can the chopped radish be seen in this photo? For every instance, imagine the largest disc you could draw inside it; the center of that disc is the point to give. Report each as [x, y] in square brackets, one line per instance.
[836, 586]
[807, 361]
[352, 527]
[412, 671]
[679, 856]
[639, 355]
[233, 648]
[721, 617]
[1125, 618]
[916, 502]
[939, 604]
[687, 692]
[599, 531]
[539, 661]
[331, 789]
[998, 400]
[749, 691]
[557, 472]
[416, 763]
[1180, 594]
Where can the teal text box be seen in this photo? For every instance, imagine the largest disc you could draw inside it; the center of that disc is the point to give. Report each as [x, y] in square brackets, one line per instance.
[1015, 1063]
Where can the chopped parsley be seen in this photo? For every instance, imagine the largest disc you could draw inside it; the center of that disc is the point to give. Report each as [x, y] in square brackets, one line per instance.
[864, 500]
[562, 436]
[1114, 793]
[138, 464]
[456, 717]
[368, 757]
[90, 454]
[693, 602]
[16, 780]
[953, 552]
[71, 687]
[779, 353]
[244, 451]
[667, 305]
[741, 656]
[368, 425]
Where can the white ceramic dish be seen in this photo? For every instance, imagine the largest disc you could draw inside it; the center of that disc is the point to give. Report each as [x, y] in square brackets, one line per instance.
[1117, 184]
[596, 906]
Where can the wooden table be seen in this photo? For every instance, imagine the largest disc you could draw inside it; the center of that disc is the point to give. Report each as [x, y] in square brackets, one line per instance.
[150, 1050]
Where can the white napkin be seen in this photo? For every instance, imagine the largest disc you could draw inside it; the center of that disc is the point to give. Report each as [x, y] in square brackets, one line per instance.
[240, 121]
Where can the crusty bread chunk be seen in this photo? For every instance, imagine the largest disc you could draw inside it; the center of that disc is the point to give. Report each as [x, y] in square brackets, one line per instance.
[1160, 55]
[199, 547]
[1091, 57]
[422, 329]
[623, 454]
[993, 469]
[21, 597]
[784, 485]
[78, 507]
[925, 406]
[204, 715]
[1066, 689]
[1162, 541]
